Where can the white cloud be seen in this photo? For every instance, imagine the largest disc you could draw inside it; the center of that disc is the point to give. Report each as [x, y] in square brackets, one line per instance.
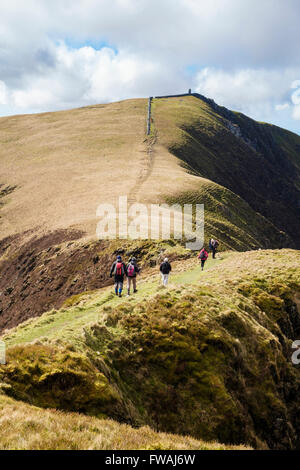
[3, 93]
[296, 95]
[247, 51]
[296, 99]
[282, 107]
[296, 113]
[295, 84]
[86, 75]
[253, 91]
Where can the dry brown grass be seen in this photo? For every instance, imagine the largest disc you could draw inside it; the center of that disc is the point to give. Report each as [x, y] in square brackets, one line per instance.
[65, 164]
[25, 427]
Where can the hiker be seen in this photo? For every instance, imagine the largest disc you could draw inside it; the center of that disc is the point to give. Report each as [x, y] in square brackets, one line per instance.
[165, 269]
[118, 269]
[214, 245]
[132, 271]
[203, 255]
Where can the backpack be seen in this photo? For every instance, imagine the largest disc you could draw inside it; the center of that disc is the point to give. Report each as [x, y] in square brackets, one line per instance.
[165, 268]
[119, 270]
[130, 270]
[202, 255]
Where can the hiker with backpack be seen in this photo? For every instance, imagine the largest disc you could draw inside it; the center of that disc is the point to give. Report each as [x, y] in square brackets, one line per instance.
[132, 271]
[118, 269]
[213, 244]
[203, 255]
[165, 269]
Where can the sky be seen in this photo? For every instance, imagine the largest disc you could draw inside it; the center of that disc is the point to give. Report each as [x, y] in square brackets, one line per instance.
[62, 54]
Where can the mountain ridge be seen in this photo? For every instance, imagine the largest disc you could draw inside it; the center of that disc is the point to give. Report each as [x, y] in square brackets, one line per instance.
[209, 357]
[58, 167]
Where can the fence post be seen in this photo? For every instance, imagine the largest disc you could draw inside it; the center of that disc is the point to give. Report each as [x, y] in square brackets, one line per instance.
[2, 353]
[149, 116]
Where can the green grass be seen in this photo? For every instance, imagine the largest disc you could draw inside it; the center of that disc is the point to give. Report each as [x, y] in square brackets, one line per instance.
[67, 323]
[25, 427]
[198, 135]
[204, 357]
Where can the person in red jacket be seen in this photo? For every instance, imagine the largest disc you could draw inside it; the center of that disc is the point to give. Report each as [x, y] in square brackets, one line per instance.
[119, 270]
[203, 255]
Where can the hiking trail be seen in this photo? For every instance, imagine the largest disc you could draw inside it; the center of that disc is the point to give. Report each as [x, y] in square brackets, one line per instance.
[145, 171]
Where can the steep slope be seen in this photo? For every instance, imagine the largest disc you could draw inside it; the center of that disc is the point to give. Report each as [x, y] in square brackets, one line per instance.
[25, 427]
[209, 357]
[56, 168]
[258, 162]
[63, 165]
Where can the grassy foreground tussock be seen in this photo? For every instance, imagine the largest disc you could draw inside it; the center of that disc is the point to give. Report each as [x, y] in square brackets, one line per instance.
[209, 357]
[25, 427]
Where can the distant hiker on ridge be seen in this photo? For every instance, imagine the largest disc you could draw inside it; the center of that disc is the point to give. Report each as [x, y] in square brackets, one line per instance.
[213, 245]
[165, 269]
[118, 269]
[203, 255]
[132, 271]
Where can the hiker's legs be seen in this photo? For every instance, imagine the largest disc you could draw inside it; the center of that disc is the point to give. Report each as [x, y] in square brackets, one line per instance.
[165, 279]
[128, 284]
[213, 253]
[134, 284]
[116, 288]
[120, 283]
[202, 264]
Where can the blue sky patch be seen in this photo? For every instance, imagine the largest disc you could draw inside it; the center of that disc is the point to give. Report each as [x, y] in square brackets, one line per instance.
[94, 43]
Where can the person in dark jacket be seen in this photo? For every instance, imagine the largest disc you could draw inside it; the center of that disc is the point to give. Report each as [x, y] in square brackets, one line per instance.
[119, 270]
[203, 255]
[132, 271]
[214, 247]
[165, 269]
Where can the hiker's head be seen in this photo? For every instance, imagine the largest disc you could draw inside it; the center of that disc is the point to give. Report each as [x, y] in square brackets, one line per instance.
[119, 258]
[133, 260]
[166, 260]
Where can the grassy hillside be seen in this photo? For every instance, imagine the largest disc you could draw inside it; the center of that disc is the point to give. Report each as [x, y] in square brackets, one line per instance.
[56, 168]
[209, 357]
[62, 165]
[258, 162]
[25, 427]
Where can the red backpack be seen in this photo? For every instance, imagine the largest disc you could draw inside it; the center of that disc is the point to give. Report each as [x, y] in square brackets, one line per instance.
[130, 270]
[119, 271]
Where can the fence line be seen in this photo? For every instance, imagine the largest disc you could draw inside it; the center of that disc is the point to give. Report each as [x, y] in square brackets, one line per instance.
[196, 95]
[149, 116]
